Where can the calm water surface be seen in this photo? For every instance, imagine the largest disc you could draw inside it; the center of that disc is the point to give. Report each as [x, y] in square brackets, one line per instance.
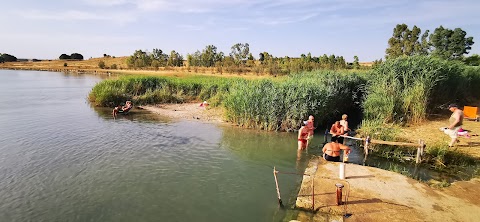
[63, 160]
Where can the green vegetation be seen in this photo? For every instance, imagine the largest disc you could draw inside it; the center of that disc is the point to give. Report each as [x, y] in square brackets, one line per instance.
[73, 56]
[264, 104]
[7, 58]
[101, 64]
[443, 43]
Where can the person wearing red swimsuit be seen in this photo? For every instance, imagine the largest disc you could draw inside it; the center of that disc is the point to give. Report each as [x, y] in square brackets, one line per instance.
[302, 136]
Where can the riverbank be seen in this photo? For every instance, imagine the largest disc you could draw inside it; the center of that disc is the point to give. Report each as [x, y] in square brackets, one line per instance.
[187, 111]
[91, 66]
[378, 195]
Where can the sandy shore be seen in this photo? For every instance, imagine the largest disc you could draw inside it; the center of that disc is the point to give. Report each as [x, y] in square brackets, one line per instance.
[188, 111]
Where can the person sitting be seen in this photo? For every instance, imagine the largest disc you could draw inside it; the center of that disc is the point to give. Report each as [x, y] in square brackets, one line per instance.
[337, 131]
[331, 151]
[122, 109]
[302, 136]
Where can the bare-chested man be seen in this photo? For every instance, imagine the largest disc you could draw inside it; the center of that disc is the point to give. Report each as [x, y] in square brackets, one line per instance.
[331, 151]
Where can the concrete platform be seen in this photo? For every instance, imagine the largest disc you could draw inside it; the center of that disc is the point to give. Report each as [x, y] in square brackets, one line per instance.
[378, 195]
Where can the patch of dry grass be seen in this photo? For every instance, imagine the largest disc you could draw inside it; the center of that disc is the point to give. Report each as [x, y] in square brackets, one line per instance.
[430, 133]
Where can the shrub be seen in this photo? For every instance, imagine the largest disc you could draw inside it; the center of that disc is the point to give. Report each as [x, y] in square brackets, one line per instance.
[101, 64]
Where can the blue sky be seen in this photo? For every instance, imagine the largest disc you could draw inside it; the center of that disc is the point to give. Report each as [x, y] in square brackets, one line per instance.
[46, 29]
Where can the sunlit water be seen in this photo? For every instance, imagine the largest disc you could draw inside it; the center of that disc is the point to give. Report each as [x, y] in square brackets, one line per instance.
[64, 160]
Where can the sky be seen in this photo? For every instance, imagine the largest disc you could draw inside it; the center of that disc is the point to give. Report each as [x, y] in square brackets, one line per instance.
[47, 29]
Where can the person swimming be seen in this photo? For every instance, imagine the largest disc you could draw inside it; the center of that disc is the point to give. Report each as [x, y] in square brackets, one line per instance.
[122, 109]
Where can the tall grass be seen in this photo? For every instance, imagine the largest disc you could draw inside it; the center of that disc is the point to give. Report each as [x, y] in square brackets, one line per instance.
[152, 90]
[270, 104]
[407, 89]
[282, 105]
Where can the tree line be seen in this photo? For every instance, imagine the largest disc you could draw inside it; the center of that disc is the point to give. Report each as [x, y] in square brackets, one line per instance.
[7, 58]
[239, 60]
[442, 43]
[73, 56]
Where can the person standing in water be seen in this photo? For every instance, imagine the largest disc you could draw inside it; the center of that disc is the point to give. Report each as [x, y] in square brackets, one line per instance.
[310, 127]
[344, 124]
[337, 131]
[302, 136]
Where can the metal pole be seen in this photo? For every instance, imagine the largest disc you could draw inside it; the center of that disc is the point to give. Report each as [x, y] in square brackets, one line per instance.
[313, 192]
[276, 185]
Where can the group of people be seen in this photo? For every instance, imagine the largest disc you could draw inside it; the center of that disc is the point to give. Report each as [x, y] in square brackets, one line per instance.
[331, 151]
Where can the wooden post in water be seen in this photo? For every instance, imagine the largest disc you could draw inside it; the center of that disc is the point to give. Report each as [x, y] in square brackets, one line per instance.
[276, 185]
[367, 142]
[420, 150]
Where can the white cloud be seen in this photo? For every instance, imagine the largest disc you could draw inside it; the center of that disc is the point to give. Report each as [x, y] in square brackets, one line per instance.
[106, 2]
[73, 15]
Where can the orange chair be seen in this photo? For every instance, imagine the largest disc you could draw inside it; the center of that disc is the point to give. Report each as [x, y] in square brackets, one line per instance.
[470, 112]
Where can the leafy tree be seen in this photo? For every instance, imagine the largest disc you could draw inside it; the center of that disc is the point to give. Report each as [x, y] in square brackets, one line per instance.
[139, 59]
[473, 60]
[209, 56]
[175, 59]
[450, 44]
[404, 42]
[261, 57]
[64, 57]
[158, 55]
[2, 60]
[240, 52]
[113, 66]
[76, 56]
[65, 64]
[8, 58]
[101, 65]
[250, 57]
[356, 64]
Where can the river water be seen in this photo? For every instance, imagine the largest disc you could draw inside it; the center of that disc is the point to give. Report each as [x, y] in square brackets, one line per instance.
[63, 160]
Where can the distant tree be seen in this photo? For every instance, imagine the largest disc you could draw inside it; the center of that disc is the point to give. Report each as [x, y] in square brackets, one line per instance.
[64, 57]
[209, 56]
[377, 63]
[473, 60]
[76, 56]
[8, 58]
[450, 44]
[101, 65]
[158, 55]
[240, 52]
[139, 59]
[356, 64]
[113, 66]
[250, 57]
[404, 42]
[2, 60]
[175, 59]
[261, 57]
[65, 64]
